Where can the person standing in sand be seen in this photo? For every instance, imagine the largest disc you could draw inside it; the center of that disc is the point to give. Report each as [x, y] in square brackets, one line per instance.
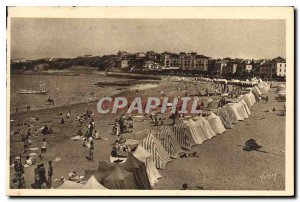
[44, 146]
[50, 173]
[91, 156]
[26, 145]
[96, 135]
[42, 174]
[68, 115]
[37, 177]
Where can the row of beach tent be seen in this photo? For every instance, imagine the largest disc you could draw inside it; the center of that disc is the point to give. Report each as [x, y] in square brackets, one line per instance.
[246, 83]
[140, 170]
[170, 141]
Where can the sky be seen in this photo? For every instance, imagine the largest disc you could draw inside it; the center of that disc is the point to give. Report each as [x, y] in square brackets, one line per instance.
[34, 38]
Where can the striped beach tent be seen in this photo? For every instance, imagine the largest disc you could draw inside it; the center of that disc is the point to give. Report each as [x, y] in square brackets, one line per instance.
[183, 136]
[169, 142]
[235, 111]
[225, 117]
[256, 93]
[231, 114]
[146, 157]
[159, 154]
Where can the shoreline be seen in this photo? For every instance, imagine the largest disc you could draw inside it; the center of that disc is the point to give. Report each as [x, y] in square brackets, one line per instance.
[91, 102]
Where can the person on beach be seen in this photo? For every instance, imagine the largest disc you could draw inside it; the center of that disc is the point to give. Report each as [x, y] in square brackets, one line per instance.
[23, 137]
[45, 130]
[29, 132]
[96, 135]
[26, 145]
[155, 120]
[50, 173]
[19, 168]
[74, 177]
[80, 133]
[42, 175]
[173, 117]
[62, 121]
[91, 152]
[130, 122]
[68, 115]
[21, 180]
[116, 128]
[267, 99]
[114, 152]
[29, 161]
[44, 146]
[37, 177]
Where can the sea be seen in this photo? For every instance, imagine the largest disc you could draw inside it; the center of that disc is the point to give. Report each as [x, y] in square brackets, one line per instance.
[63, 89]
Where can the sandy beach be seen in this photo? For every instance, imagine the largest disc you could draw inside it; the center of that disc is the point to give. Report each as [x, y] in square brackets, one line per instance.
[222, 163]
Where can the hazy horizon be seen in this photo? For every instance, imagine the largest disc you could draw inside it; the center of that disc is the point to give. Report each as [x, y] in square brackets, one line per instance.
[35, 38]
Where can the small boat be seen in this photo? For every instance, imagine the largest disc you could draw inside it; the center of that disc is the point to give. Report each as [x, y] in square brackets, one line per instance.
[24, 91]
[42, 90]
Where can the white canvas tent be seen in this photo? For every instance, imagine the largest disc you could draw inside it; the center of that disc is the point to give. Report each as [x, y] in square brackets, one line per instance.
[256, 92]
[216, 123]
[246, 107]
[152, 172]
[241, 110]
[196, 130]
[204, 123]
[93, 183]
[263, 88]
[252, 97]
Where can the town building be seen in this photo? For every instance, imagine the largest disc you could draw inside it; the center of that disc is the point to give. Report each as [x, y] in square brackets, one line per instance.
[231, 66]
[279, 64]
[121, 64]
[218, 67]
[273, 68]
[151, 65]
[185, 61]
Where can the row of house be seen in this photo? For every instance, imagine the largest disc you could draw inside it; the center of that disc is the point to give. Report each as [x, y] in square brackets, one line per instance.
[265, 68]
[185, 61]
